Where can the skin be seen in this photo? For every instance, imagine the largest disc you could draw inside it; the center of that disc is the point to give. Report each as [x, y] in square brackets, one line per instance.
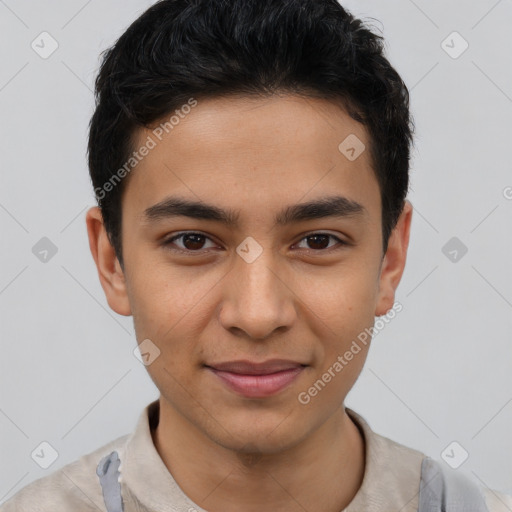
[298, 300]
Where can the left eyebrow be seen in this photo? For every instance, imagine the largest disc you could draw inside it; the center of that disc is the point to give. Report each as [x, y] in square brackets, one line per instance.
[331, 206]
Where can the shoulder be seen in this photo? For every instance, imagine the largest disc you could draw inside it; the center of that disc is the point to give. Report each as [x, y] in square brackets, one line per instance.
[408, 477]
[75, 486]
[443, 488]
[497, 501]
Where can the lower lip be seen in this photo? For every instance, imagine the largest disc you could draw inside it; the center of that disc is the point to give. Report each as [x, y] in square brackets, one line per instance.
[258, 386]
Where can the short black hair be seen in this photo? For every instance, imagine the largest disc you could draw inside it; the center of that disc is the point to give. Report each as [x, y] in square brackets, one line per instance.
[179, 49]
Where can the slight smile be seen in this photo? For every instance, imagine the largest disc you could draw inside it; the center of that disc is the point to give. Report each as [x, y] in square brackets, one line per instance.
[257, 380]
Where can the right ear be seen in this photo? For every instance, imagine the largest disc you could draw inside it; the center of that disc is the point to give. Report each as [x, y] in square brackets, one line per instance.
[111, 274]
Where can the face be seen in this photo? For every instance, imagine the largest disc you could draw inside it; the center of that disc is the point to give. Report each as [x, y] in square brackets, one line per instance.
[254, 275]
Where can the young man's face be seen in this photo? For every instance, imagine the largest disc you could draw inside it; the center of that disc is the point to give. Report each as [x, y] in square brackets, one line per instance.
[262, 288]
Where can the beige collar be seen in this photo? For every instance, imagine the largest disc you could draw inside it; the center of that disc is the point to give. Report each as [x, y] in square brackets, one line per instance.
[390, 482]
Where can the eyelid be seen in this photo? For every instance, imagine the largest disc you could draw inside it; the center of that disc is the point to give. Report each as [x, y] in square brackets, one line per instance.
[169, 240]
[340, 241]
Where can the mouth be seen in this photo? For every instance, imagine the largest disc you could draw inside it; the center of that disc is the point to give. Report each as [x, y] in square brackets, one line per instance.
[257, 380]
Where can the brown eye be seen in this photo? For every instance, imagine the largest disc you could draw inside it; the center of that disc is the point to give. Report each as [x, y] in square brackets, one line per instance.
[320, 241]
[193, 242]
[190, 242]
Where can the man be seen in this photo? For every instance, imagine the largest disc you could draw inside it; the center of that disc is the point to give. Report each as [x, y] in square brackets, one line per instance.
[250, 160]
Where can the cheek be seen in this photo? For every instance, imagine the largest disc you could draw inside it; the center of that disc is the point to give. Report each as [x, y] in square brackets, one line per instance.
[167, 299]
[173, 311]
[341, 312]
[343, 299]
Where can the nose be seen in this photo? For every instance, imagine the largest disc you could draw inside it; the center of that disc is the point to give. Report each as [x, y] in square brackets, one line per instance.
[258, 298]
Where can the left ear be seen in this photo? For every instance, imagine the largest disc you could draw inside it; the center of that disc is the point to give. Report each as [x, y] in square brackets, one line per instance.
[393, 263]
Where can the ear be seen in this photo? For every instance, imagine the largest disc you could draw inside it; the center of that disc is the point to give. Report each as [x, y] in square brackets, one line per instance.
[111, 274]
[393, 263]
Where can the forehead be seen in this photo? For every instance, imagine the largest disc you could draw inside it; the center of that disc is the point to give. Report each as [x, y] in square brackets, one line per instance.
[254, 155]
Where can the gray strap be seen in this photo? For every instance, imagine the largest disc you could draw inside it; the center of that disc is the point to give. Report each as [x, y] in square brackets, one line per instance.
[444, 490]
[108, 473]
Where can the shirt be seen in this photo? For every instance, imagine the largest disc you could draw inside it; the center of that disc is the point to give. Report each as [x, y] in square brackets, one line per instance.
[390, 482]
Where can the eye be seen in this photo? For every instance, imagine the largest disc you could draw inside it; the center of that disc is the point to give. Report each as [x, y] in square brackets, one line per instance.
[191, 242]
[319, 241]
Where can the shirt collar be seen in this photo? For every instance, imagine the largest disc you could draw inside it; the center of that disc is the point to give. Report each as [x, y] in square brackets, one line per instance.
[392, 473]
[390, 482]
[145, 473]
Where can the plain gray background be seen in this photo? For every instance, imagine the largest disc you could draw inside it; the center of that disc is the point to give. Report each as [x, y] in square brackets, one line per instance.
[439, 372]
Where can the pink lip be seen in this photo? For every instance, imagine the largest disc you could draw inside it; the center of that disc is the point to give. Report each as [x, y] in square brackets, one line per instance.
[257, 380]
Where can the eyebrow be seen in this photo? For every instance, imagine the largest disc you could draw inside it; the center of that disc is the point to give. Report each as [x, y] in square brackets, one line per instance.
[331, 206]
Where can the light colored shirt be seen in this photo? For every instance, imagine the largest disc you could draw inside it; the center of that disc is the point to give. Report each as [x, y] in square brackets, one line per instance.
[390, 483]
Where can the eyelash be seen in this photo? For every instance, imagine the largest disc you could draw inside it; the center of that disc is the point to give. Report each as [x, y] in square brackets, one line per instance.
[167, 243]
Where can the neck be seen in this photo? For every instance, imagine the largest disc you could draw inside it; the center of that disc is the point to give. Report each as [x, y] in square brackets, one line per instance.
[221, 480]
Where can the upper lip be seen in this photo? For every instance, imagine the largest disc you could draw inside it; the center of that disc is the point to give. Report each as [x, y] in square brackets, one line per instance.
[245, 367]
